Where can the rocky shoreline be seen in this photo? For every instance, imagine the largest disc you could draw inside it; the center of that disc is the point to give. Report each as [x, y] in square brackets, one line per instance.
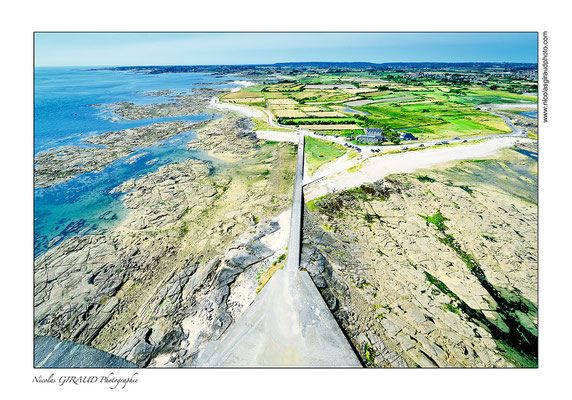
[227, 138]
[183, 264]
[435, 268]
[60, 165]
[177, 106]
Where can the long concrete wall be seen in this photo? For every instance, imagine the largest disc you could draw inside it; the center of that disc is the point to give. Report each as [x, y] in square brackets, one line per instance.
[289, 323]
[294, 240]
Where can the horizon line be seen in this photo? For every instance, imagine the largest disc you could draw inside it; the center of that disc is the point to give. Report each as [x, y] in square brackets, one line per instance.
[287, 62]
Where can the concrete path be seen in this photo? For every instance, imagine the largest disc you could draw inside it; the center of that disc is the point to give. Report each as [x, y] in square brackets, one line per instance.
[288, 324]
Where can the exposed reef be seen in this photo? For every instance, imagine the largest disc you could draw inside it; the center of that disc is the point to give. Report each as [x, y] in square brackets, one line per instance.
[179, 269]
[60, 165]
[178, 105]
[435, 268]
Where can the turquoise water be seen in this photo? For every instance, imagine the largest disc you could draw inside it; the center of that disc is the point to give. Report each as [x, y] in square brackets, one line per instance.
[65, 114]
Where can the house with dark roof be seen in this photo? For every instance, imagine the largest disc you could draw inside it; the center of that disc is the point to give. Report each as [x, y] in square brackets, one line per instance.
[373, 131]
[407, 136]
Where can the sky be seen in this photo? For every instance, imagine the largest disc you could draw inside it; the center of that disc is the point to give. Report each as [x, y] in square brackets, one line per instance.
[130, 49]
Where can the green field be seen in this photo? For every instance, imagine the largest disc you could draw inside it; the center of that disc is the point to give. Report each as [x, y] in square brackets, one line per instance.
[439, 109]
[319, 152]
[436, 120]
[317, 121]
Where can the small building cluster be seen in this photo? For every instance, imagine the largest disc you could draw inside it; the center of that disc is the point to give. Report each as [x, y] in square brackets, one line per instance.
[370, 139]
[372, 135]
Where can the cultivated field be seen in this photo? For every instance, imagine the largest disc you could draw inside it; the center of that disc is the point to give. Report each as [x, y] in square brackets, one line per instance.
[346, 102]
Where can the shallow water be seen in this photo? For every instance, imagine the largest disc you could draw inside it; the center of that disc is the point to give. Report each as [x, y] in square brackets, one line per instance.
[69, 103]
[64, 115]
[530, 114]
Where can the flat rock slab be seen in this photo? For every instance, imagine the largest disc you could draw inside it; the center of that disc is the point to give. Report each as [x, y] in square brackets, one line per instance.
[288, 324]
[50, 352]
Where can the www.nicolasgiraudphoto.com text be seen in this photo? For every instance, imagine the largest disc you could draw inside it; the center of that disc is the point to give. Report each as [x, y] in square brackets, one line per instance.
[545, 79]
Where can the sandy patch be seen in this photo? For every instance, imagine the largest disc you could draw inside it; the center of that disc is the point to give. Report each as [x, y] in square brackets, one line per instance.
[241, 84]
[278, 240]
[192, 326]
[248, 111]
[162, 359]
[277, 136]
[245, 288]
[407, 162]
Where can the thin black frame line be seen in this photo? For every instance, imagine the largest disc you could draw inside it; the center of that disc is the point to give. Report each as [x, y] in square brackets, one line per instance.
[282, 367]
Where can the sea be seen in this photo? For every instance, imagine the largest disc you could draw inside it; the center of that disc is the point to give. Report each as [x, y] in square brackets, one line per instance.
[69, 106]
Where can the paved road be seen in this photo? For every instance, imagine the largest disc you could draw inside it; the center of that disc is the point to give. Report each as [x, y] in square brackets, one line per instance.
[368, 149]
[288, 324]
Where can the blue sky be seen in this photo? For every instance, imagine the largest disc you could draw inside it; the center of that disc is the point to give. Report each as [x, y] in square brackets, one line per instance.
[115, 49]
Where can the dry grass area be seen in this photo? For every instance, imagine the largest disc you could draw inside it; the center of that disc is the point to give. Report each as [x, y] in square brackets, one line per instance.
[289, 113]
[242, 95]
[274, 95]
[284, 107]
[339, 127]
[247, 100]
[281, 102]
[311, 108]
[495, 123]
